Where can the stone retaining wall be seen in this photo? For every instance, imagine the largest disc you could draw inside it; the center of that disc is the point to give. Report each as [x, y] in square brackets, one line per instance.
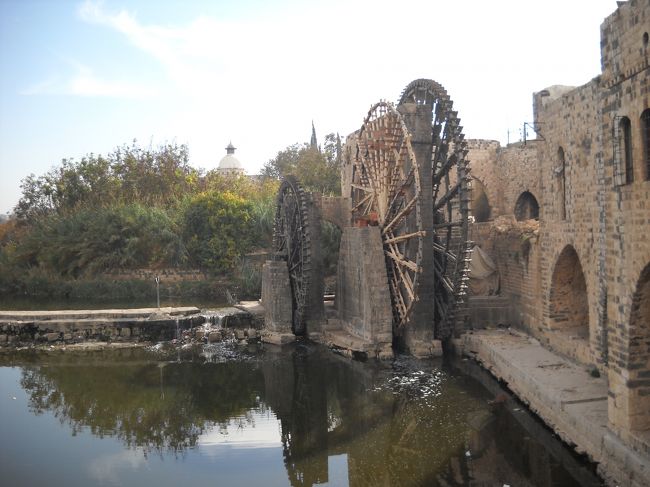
[18, 328]
[166, 275]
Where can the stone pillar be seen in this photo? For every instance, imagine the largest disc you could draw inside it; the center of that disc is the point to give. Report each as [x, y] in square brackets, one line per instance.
[363, 298]
[276, 299]
[315, 310]
[419, 332]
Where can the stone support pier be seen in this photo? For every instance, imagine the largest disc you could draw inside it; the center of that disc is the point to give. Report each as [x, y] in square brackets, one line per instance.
[276, 299]
[418, 334]
[362, 298]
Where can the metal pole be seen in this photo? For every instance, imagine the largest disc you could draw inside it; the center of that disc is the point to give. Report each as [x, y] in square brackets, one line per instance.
[158, 291]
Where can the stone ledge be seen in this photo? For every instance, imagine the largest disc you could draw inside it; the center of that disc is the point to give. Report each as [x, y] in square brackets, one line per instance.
[564, 395]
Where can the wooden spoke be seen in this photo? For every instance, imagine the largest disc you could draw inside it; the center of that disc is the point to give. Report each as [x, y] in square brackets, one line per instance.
[386, 188]
[400, 260]
[407, 236]
[403, 212]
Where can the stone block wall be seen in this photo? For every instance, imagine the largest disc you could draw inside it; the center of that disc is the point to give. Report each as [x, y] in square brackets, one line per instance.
[624, 41]
[504, 173]
[514, 248]
[482, 157]
[518, 169]
[625, 92]
[584, 289]
[595, 208]
[166, 275]
[571, 220]
[363, 299]
[276, 297]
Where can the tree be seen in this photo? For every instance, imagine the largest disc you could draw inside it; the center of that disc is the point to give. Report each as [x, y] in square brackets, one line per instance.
[316, 170]
[216, 229]
[130, 174]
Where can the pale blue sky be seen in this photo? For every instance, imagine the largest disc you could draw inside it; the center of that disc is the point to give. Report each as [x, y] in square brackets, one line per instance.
[87, 76]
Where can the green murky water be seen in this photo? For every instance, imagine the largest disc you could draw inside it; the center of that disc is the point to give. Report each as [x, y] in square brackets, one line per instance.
[231, 416]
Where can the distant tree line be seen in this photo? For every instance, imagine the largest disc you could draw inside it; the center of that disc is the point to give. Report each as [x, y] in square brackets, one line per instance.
[147, 207]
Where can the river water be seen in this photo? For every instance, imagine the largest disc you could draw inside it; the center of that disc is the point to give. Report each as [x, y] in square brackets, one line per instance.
[231, 415]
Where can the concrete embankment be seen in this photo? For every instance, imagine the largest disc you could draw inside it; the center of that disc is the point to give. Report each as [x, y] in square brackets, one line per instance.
[565, 395]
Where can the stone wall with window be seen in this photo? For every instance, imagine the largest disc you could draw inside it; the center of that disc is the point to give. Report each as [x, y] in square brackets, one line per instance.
[625, 96]
[585, 291]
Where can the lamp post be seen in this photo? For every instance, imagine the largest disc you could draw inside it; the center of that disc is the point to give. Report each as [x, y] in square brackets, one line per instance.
[158, 291]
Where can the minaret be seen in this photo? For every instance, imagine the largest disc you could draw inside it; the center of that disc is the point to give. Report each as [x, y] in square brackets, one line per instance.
[339, 150]
[314, 143]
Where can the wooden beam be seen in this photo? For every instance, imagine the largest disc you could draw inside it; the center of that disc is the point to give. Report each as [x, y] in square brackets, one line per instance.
[403, 261]
[402, 213]
[401, 238]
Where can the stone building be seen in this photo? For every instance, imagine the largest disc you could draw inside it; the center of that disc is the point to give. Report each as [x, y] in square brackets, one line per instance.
[566, 218]
[229, 164]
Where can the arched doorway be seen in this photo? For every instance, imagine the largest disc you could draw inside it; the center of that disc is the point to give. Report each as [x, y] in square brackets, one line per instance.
[481, 210]
[639, 354]
[569, 306]
[526, 207]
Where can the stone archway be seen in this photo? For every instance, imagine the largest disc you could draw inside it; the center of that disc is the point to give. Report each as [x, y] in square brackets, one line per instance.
[526, 207]
[639, 355]
[481, 209]
[569, 305]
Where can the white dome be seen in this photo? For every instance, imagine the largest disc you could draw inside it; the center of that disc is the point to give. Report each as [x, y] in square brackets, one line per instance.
[229, 163]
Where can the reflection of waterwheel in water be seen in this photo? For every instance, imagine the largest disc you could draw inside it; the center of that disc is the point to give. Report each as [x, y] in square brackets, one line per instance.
[292, 242]
[450, 178]
[386, 191]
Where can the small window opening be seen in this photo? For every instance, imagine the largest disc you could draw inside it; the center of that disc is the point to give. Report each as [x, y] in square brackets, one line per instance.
[645, 137]
[561, 176]
[625, 130]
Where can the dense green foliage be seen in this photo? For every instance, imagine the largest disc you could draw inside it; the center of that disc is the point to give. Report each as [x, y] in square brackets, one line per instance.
[317, 170]
[130, 174]
[216, 229]
[147, 208]
[92, 240]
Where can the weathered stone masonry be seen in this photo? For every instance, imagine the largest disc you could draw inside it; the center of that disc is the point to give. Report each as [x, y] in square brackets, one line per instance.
[583, 288]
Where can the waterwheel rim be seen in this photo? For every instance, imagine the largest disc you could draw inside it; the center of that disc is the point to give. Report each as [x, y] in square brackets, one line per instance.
[451, 196]
[291, 239]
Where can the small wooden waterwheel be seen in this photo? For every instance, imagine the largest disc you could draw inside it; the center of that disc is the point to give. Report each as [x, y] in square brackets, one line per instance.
[292, 242]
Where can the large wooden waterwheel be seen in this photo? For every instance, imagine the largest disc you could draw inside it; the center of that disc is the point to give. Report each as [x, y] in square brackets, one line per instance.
[385, 191]
[292, 242]
[450, 200]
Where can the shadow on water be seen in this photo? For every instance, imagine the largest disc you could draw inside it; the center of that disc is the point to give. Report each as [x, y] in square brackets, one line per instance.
[341, 422]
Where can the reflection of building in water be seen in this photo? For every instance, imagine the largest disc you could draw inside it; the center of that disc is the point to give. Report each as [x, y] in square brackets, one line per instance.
[323, 404]
[296, 392]
[342, 424]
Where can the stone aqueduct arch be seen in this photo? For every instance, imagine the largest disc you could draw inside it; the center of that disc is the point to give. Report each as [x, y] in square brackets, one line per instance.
[568, 301]
[639, 354]
[480, 205]
[526, 207]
